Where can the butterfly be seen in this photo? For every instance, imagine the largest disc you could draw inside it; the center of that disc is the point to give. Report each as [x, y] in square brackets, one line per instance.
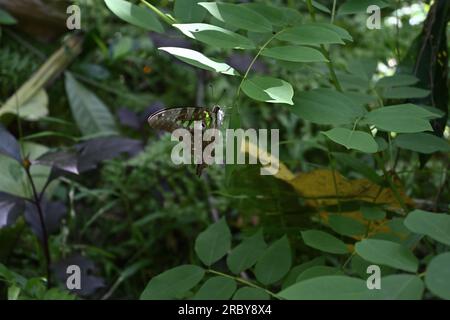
[171, 119]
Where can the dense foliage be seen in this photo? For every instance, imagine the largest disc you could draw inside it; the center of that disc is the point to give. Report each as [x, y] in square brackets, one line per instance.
[364, 151]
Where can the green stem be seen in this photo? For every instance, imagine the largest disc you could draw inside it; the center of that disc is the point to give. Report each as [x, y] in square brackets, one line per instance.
[333, 12]
[243, 281]
[168, 19]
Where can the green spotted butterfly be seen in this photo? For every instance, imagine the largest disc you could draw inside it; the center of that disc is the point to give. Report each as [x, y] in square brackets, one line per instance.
[172, 119]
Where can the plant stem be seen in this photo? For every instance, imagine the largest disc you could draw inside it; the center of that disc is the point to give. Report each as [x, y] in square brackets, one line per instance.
[166, 18]
[256, 58]
[243, 281]
[45, 246]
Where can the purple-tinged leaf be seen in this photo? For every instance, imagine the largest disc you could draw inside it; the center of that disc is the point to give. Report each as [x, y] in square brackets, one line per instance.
[63, 160]
[10, 209]
[128, 118]
[89, 282]
[9, 146]
[53, 213]
[94, 151]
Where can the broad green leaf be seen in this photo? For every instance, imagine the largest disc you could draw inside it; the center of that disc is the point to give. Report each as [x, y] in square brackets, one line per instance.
[188, 11]
[324, 242]
[216, 288]
[215, 36]
[199, 60]
[275, 15]
[398, 80]
[373, 213]
[327, 288]
[295, 54]
[245, 255]
[357, 165]
[310, 35]
[275, 263]
[433, 225]
[344, 34]
[353, 82]
[6, 18]
[328, 107]
[358, 6]
[238, 16]
[437, 277]
[363, 67]
[249, 293]
[89, 112]
[404, 93]
[405, 118]
[422, 142]
[138, 16]
[360, 98]
[14, 180]
[35, 108]
[359, 267]
[357, 140]
[292, 276]
[319, 271]
[387, 253]
[400, 287]
[173, 283]
[213, 243]
[346, 226]
[268, 89]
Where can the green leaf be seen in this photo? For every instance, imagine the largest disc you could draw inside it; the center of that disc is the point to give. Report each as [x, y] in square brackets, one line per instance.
[35, 108]
[373, 213]
[437, 277]
[344, 34]
[245, 255]
[216, 288]
[319, 271]
[398, 80]
[324, 242]
[188, 11]
[319, 6]
[292, 276]
[346, 226]
[138, 16]
[199, 60]
[213, 243]
[387, 253]
[434, 225]
[14, 180]
[6, 18]
[422, 142]
[405, 93]
[358, 6]
[405, 118]
[400, 287]
[275, 263]
[90, 113]
[248, 293]
[274, 14]
[358, 140]
[173, 283]
[327, 288]
[295, 54]
[327, 107]
[268, 89]
[310, 35]
[357, 165]
[238, 16]
[215, 36]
